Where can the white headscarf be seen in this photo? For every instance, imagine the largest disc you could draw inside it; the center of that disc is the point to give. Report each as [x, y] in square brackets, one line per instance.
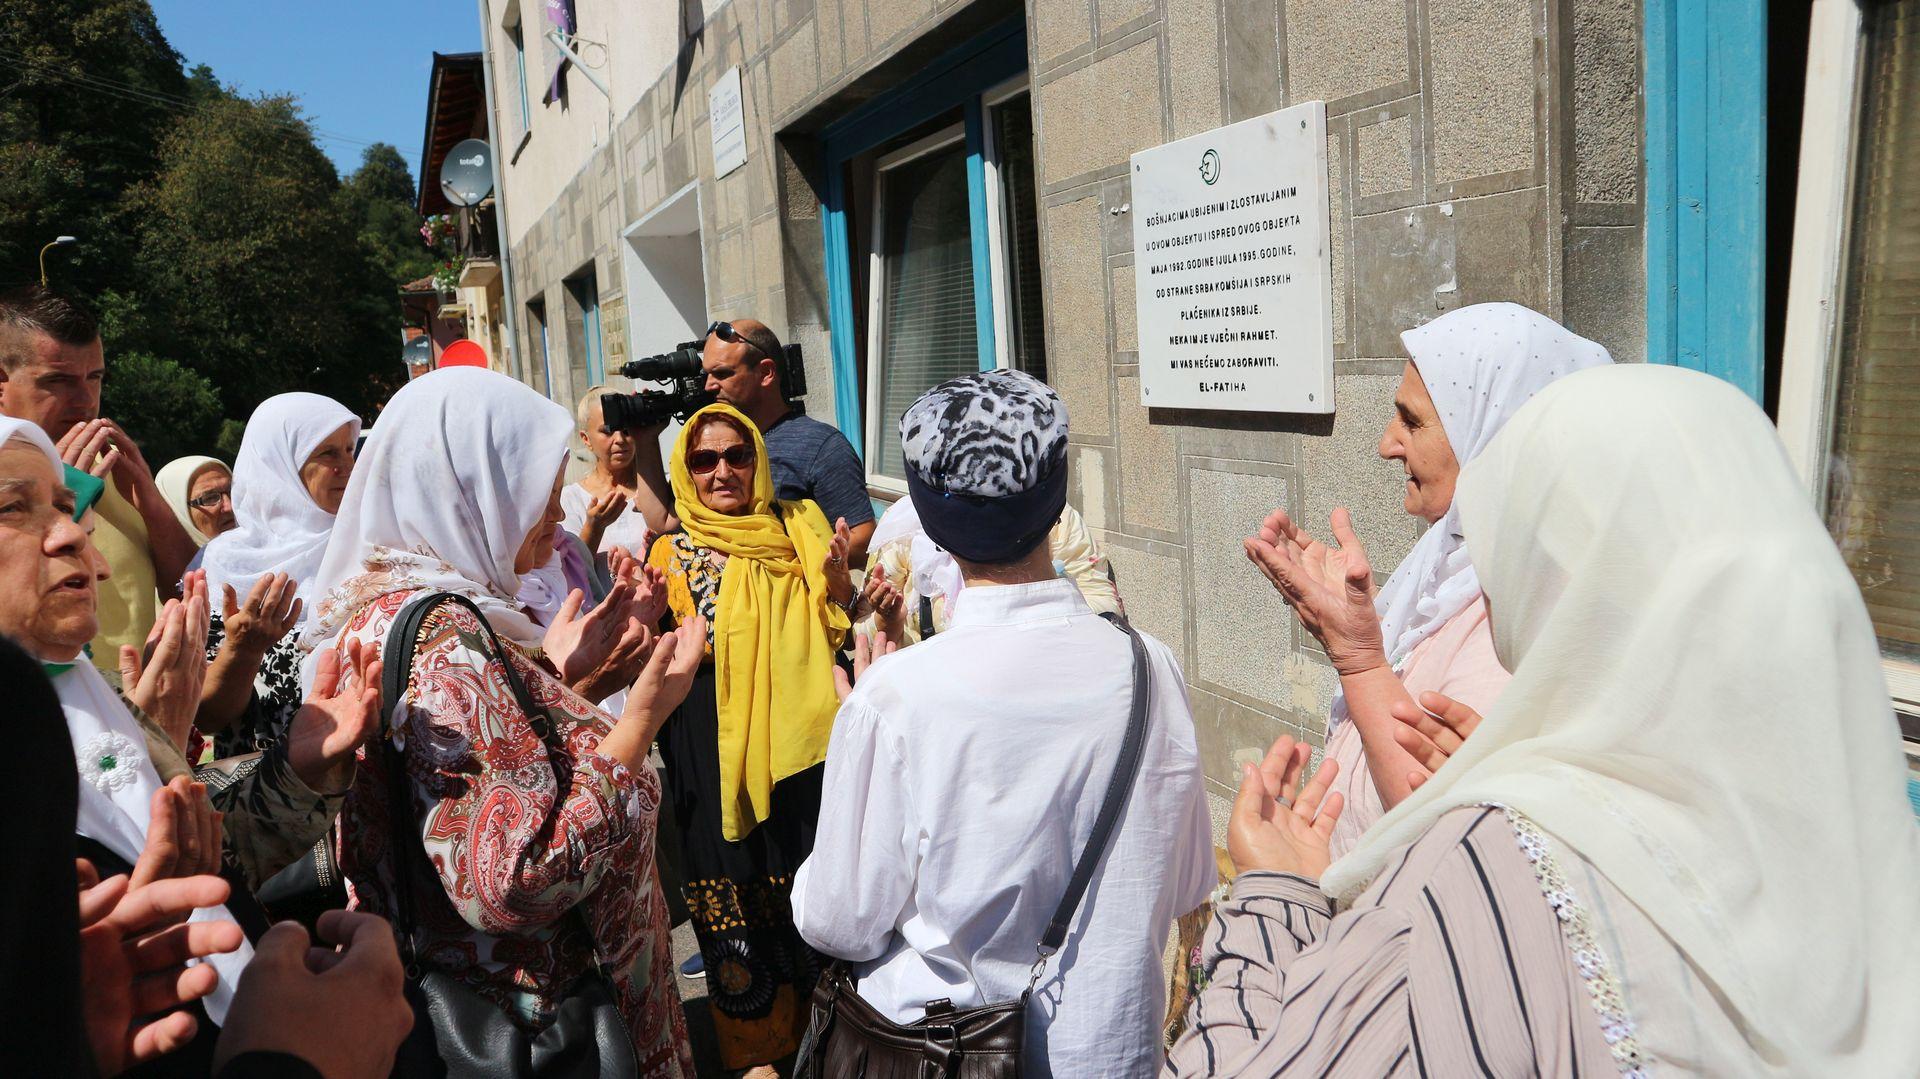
[1697, 708]
[280, 528]
[1479, 364]
[116, 777]
[176, 484]
[445, 492]
[935, 573]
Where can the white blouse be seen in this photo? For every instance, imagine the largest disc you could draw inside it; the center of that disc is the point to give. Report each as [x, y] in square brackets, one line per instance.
[629, 530]
[963, 778]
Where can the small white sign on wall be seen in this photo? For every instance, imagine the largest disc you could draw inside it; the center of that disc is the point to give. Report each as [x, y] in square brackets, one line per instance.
[1233, 275]
[726, 120]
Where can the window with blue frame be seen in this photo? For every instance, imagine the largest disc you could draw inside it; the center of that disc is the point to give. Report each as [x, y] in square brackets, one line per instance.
[932, 240]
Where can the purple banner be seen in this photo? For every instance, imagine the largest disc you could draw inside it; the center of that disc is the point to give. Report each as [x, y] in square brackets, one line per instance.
[559, 17]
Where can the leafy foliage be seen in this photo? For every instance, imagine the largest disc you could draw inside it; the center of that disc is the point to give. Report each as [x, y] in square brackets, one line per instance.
[227, 258]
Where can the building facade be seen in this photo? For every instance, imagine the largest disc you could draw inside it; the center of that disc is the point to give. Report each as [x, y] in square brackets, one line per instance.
[933, 186]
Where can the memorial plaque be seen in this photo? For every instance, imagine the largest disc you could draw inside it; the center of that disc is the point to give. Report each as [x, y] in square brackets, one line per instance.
[1233, 279]
[727, 123]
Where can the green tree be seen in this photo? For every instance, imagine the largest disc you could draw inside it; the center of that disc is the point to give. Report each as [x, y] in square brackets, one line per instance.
[169, 410]
[253, 269]
[379, 195]
[86, 88]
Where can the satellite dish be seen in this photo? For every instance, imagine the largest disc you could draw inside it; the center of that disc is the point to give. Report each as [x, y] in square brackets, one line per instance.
[466, 173]
[418, 352]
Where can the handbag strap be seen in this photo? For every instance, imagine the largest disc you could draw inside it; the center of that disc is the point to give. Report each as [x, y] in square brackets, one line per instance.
[1118, 787]
[396, 671]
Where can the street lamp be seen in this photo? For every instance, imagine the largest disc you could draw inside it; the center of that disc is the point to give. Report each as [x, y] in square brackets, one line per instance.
[58, 241]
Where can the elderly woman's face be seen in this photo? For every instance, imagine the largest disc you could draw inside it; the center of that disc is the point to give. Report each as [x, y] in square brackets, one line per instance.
[614, 451]
[47, 564]
[210, 500]
[538, 546]
[328, 468]
[1415, 438]
[721, 459]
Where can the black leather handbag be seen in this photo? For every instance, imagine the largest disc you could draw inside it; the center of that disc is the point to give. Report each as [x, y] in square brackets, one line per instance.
[847, 1038]
[458, 1033]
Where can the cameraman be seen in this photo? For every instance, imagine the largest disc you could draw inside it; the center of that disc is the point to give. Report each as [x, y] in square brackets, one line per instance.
[810, 459]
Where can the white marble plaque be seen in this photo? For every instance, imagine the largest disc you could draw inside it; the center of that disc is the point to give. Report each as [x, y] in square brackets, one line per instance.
[727, 122]
[1232, 269]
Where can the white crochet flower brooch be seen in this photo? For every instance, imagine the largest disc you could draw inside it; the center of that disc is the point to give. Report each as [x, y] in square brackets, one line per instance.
[109, 760]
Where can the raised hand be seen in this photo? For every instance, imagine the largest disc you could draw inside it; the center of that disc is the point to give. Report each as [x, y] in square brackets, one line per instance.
[183, 835]
[89, 447]
[865, 651]
[269, 613]
[601, 513]
[662, 685]
[1278, 826]
[165, 682]
[1329, 588]
[1433, 732]
[888, 604]
[341, 714]
[601, 651]
[839, 577]
[298, 997]
[133, 956]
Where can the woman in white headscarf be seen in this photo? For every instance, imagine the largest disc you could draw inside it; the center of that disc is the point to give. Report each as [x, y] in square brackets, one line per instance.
[526, 819]
[288, 478]
[1677, 843]
[199, 491]
[1467, 373]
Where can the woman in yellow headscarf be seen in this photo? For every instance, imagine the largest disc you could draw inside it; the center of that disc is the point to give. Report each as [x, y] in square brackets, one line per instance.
[743, 753]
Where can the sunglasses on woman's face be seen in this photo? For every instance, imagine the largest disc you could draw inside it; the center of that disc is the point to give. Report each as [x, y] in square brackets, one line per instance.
[701, 462]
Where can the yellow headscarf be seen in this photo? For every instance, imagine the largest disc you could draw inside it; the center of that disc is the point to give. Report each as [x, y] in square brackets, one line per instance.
[776, 631]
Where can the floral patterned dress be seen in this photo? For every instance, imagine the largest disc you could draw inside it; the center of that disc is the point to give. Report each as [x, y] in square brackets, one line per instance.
[276, 695]
[519, 837]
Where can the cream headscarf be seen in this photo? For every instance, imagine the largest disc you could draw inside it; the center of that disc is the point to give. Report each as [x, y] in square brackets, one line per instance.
[456, 475]
[116, 776]
[176, 484]
[280, 528]
[1479, 364]
[1697, 708]
[775, 631]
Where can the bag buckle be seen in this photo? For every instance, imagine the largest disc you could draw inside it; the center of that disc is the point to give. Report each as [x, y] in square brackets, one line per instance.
[1039, 966]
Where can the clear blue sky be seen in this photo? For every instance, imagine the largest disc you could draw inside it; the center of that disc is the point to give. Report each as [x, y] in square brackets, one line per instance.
[359, 67]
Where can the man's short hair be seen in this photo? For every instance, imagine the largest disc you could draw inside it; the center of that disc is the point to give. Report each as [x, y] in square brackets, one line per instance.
[37, 310]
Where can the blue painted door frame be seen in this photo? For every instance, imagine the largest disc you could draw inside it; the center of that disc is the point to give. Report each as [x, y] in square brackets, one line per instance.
[954, 80]
[1706, 157]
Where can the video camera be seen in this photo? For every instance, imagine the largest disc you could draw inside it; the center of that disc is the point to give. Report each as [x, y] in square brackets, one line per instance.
[651, 408]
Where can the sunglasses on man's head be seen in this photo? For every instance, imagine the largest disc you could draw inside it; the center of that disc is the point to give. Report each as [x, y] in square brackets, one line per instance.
[701, 462]
[725, 332]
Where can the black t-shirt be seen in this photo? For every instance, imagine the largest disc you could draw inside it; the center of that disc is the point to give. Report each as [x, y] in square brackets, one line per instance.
[814, 460]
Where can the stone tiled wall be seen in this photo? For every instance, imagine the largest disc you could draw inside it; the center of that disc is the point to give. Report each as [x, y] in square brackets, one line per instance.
[1478, 150]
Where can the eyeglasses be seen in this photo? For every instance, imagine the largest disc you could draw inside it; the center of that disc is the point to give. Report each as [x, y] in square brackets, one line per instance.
[701, 462]
[211, 499]
[725, 332]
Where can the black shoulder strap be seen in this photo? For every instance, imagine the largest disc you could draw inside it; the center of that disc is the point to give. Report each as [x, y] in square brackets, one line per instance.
[1118, 788]
[396, 660]
[926, 618]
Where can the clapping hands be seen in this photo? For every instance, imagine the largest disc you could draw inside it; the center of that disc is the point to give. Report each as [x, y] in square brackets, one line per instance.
[134, 952]
[1277, 825]
[341, 714]
[164, 680]
[1433, 732]
[1329, 588]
